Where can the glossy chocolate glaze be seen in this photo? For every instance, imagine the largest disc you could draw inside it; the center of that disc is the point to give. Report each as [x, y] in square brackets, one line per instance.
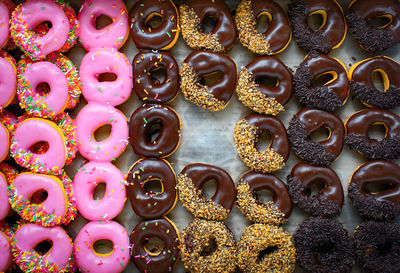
[380, 172]
[206, 62]
[201, 173]
[145, 88]
[163, 230]
[150, 205]
[272, 125]
[309, 174]
[260, 181]
[272, 67]
[156, 38]
[139, 130]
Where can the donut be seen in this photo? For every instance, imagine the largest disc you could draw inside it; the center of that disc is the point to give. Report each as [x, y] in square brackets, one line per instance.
[328, 97]
[327, 202]
[4, 142]
[377, 246]
[197, 251]
[190, 182]
[153, 120]
[193, 15]
[5, 254]
[8, 78]
[28, 238]
[358, 125]
[4, 203]
[145, 35]
[94, 116]
[330, 34]
[383, 204]
[246, 134]
[6, 8]
[265, 248]
[149, 89]
[274, 39]
[200, 64]
[150, 257]
[8, 171]
[146, 203]
[87, 178]
[273, 212]
[323, 245]
[113, 35]
[363, 87]
[102, 90]
[260, 98]
[62, 77]
[8, 119]
[61, 36]
[89, 260]
[320, 153]
[370, 37]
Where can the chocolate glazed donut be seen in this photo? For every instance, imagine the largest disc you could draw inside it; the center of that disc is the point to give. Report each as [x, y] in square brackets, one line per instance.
[148, 204]
[144, 124]
[307, 121]
[328, 202]
[383, 204]
[358, 125]
[192, 15]
[201, 63]
[370, 37]
[148, 89]
[363, 87]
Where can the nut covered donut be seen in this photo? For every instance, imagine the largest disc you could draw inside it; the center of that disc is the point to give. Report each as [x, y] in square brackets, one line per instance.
[149, 204]
[190, 182]
[8, 79]
[330, 34]
[363, 87]
[273, 212]
[332, 94]
[382, 204]
[274, 39]
[358, 125]
[320, 153]
[192, 16]
[201, 64]
[260, 98]
[246, 134]
[329, 200]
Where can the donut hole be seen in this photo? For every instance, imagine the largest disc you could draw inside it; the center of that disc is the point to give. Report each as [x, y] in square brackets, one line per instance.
[264, 196]
[377, 131]
[211, 78]
[153, 131]
[99, 191]
[209, 247]
[320, 134]
[267, 81]
[316, 20]
[154, 246]
[153, 186]
[107, 77]
[103, 247]
[42, 28]
[208, 24]
[43, 89]
[209, 188]
[153, 21]
[315, 188]
[376, 188]
[39, 147]
[38, 197]
[158, 75]
[384, 248]
[265, 252]
[42, 248]
[102, 133]
[263, 141]
[380, 21]
[380, 80]
[102, 21]
[263, 22]
[323, 79]
[324, 247]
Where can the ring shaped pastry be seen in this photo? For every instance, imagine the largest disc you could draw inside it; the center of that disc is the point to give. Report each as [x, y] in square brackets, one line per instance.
[358, 126]
[4, 142]
[320, 153]
[328, 201]
[4, 196]
[5, 255]
[8, 79]
[362, 85]
[149, 204]
[247, 132]
[199, 64]
[274, 39]
[193, 15]
[332, 94]
[261, 98]
[330, 34]
[190, 181]
[273, 212]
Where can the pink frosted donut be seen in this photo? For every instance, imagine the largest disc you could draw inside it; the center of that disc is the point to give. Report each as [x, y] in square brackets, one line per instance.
[32, 131]
[88, 260]
[8, 79]
[4, 142]
[5, 253]
[113, 35]
[4, 203]
[94, 116]
[57, 259]
[4, 25]
[100, 61]
[85, 182]
[57, 208]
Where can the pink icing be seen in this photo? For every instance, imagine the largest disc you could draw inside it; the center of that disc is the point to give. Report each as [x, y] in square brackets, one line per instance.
[100, 61]
[89, 261]
[4, 24]
[5, 253]
[86, 180]
[4, 203]
[8, 81]
[113, 35]
[4, 142]
[93, 116]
